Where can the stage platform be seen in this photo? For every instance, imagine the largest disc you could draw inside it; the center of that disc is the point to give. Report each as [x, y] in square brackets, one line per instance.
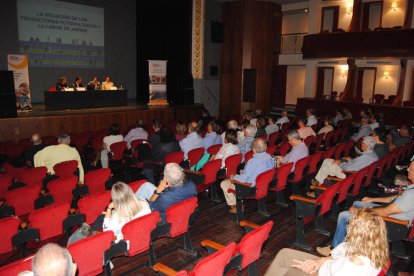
[48, 122]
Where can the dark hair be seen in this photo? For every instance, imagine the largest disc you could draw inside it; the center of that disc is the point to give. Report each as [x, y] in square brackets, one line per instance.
[245, 123]
[214, 126]
[380, 134]
[329, 120]
[273, 118]
[231, 136]
[303, 120]
[166, 135]
[261, 120]
[156, 123]
[114, 129]
[77, 78]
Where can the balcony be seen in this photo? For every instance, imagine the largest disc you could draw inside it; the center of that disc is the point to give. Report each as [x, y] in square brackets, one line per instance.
[292, 43]
[384, 43]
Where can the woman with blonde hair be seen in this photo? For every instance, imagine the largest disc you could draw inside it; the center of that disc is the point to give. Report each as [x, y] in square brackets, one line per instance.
[123, 208]
[181, 131]
[364, 253]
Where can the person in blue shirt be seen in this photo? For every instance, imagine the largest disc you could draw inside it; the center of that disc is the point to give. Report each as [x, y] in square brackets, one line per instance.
[246, 143]
[192, 141]
[171, 190]
[212, 138]
[260, 162]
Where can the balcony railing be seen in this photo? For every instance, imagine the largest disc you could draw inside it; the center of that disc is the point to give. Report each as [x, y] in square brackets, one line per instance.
[292, 43]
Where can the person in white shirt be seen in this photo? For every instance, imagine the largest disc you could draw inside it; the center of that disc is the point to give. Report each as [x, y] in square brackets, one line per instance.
[364, 253]
[229, 147]
[271, 127]
[192, 141]
[136, 133]
[125, 206]
[113, 137]
[283, 119]
[374, 122]
[310, 113]
[232, 124]
[328, 126]
[107, 84]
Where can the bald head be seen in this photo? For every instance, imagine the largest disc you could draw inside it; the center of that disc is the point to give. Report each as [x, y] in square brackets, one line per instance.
[36, 140]
[52, 259]
[193, 127]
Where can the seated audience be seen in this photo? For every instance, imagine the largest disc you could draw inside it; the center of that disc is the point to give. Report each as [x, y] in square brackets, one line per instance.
[136, 133]
[338, 117]
[107, 84]
[245, 144]
[51, 259]
[347, 114]
[172, 189]
[283, 119]
[212, 138]
[399, 138]
[52, 155]
[240, 134]
[365, 252]
[192, 141]
[125, 206]
[260, 162]
[304, 130]
[399, 206]
[180, 131]
[364, 130]
[154, 140]
[272, 126]
[232, 124]
[114, 136]
[338, 168]
[374, 122]
[78, 83]
[261, 126]
[249, 115]
[62, 84]
[328, 126]
[310, 114]
[167, 145]
[381, 146]
[94, 84]
[229, 147]
[205, 118]
[37, 146]
[299, 150]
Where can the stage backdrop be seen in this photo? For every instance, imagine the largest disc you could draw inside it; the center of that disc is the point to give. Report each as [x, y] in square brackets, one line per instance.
[157, 82]
[19, 64]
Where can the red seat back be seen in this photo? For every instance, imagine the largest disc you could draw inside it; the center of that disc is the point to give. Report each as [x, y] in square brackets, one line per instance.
[81, 140]
[96, 179]
[309, 140]
[5, 181]
[195, 155]
[138, 232]
[136, 185]
[215, 263]
[344, 131]
[32, 176]
[16, 267]
[300, 166]
[134, 145]
[358, 178]
[381, 165]
[61, 189]
[326, 198]
[214, 149]
[13, 150]
[284, 148]
[313, 162]
[117, 150]
[248, 156]
[174, 157]
[370, 173]
[50, 140]
[344, 187]
[335, 136]
[286, 126]
[318, 141]
[179, 215]
[22, 199]
[338, 151]
[329, 153]
[210, 170]
[348, 147]
[232, 162]
[91, 264]
[273, 138]
[49, 220]
[12, 171]
[251, 244]
[262, 183]
[282, 174]
[93, 205]
[9, 227]
[26, 143]
[65, 168]
[271, 149]
[101, 133]
[328, 138]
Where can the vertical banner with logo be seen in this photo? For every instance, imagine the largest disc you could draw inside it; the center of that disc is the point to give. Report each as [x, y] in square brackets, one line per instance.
[157, 82]
[19, 64]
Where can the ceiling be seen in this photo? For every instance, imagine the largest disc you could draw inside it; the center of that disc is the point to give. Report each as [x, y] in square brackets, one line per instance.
[280, 2]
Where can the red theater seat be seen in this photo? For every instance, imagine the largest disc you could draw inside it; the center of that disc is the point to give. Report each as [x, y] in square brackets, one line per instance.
[298, 176]
[195, 155]
[273, 138]
[282, 174]
[95, 180]
[174, 157]
[9, 227]
[212, 150]
[66, 168]
[22, 199]
[206, 177]
[32, 176]
[17, 267]
[93, 205]
[61, 189]
[5, 181]
[232, 162]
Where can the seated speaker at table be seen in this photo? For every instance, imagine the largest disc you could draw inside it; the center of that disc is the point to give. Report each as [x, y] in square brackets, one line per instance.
[78, 83]
[62, 84]
[94, 84]
[107, 84]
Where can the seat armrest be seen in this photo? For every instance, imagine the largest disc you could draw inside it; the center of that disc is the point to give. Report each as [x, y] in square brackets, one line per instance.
[331, 178]
[397, 221]
[159, 267]
[245, 223]
[303, 199]
[241, 183]
[212, 245]
[157, 163]
[193, 172]
[321, 188]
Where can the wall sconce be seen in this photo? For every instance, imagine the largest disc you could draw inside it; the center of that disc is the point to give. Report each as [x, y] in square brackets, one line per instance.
[394, 6]
[386, 74]
[343, 73]
[348, 10]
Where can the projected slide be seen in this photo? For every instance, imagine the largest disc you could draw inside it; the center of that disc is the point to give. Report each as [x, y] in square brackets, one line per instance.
[61, 34]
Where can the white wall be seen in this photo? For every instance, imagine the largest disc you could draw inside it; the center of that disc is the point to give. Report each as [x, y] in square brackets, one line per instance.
[295, 83]
[295, 23]
[391, 18]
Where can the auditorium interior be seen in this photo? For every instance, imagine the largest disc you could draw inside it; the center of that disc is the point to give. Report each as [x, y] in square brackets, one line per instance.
[331, 81]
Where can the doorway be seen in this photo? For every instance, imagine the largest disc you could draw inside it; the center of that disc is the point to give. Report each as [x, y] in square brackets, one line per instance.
[330, 17]
[365, 84]
[324, 85]
[371, 15]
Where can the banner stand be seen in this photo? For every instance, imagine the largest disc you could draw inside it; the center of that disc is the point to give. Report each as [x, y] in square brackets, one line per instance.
[19, 64]
[157, 70]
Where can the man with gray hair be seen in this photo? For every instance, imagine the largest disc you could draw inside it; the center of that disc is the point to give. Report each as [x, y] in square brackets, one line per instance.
[52, 259]
[192, 141]
[55, 154]
[172, 189]
[249, 134]
[260, 162]
[136, 133]
[299, 150]
[338, 168]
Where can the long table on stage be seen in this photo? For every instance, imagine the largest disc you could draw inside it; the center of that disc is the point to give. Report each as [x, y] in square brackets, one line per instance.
[85, 99]
[393, 114]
